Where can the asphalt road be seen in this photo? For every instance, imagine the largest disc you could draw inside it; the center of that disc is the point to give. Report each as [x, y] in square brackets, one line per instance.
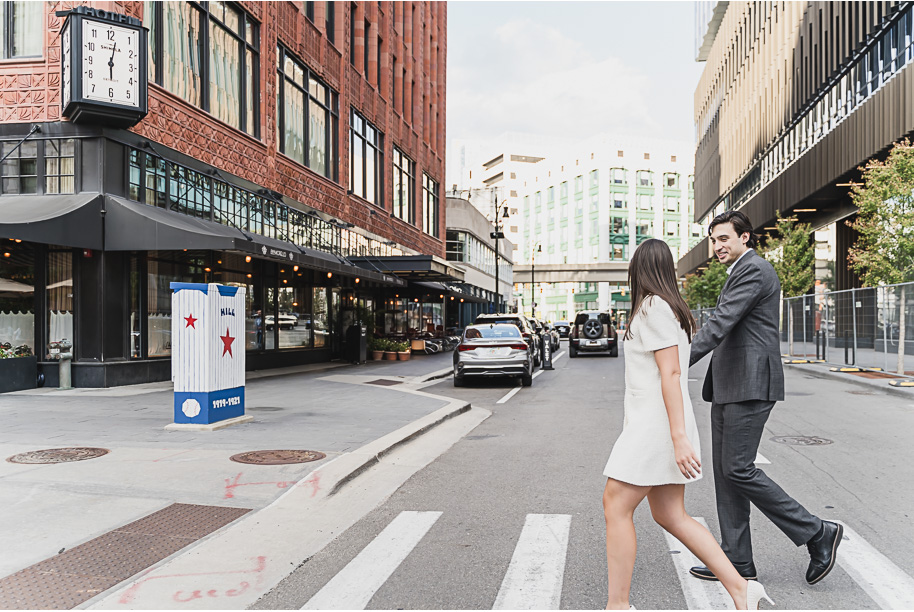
[511, 514]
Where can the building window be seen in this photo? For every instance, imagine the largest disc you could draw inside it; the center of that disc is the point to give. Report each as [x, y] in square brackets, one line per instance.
[594, 178]
[365, 160]
[579, 184]
[429, 205]
[647, 156]
[208, 57]
[644, 178]
[455, 245]
[618, 176]
[59, 290]
[330, 22]
[644, 202]
[404, 187]
[309, 11]
[23, 25]
[20, 169]
[620, 153]
[618, 201]
[308, 112]
[60, 166]
[671, 179]
[671, 228]
[671, 204]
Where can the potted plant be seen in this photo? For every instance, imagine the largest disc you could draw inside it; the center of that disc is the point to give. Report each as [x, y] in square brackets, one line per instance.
[403, 351]
[376, 347]
[390, 350]
[18, 368]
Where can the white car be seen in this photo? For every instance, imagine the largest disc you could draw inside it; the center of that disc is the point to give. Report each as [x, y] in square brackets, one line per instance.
[286, 321]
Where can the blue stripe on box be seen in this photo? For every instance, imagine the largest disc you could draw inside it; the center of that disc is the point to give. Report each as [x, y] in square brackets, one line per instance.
[227, 291]
[214, 406]
[175, 287]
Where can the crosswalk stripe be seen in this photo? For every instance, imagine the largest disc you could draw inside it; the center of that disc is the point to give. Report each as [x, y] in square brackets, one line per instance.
[886, 583]
[537, 569]
[356, 584]
[699, 594]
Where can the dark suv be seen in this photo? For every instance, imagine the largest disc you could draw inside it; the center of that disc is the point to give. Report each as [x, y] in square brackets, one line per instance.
[593, 331]
[533, 339]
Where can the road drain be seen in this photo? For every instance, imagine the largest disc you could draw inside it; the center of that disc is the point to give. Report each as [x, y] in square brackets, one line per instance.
[58, 455]
[277, 457]
[802, 440]
[385, 383]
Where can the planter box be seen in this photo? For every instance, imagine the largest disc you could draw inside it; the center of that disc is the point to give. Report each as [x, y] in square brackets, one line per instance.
[377, 355]
[18, 373]
[390, 356]
[403, 356]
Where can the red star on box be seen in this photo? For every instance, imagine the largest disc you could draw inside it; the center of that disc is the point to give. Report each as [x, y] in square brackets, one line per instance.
[190, 321]
[227, 343]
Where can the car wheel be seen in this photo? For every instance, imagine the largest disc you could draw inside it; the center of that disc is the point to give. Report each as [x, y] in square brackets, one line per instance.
[614, 352]
[459, 381]
[526, 380]
[572, 352]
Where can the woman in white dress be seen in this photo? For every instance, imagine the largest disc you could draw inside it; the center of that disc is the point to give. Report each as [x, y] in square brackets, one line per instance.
[658, 450]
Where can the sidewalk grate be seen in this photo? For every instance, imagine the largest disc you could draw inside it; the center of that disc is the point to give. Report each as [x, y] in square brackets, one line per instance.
[79, 574]
[277, 457]
[384, 383]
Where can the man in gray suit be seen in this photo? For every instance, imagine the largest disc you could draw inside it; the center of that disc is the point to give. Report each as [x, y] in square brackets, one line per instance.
[743, 382]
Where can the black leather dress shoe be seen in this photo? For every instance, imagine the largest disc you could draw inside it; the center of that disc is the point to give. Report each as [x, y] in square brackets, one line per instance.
[747, 571]
[823, 551]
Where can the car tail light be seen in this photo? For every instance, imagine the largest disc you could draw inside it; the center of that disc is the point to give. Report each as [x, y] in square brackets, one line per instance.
[519, 346]
[466, 347]
[528, 338]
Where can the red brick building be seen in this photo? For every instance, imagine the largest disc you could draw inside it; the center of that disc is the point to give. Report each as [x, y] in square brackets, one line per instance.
[295, 148]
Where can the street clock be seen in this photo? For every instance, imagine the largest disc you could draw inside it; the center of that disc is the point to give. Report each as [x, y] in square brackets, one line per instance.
[104, 77]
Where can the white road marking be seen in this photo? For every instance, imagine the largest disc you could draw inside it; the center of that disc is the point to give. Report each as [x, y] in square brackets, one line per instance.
[509, 395]
[760, 459]
[537, 570]
[699, 594]
[537, 373]
[356, 584]
[556, 357]
[887, 584]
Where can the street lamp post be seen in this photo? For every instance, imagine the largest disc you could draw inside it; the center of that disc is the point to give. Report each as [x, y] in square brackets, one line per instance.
[537, 248]
[498, 235]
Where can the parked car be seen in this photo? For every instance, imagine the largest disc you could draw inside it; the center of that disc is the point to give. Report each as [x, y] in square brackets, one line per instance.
[286, 321]
[523, 324]
[493, 349]
[564, 328]
[593, 331]
[553, 335]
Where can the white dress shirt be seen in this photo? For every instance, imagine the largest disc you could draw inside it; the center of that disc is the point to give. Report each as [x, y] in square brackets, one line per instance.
[730, 268]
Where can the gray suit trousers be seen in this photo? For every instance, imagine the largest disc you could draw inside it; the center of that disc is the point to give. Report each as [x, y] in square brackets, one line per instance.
[736, 430]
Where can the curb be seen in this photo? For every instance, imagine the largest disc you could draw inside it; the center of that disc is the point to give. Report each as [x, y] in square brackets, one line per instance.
[818, 371]
[374, 451]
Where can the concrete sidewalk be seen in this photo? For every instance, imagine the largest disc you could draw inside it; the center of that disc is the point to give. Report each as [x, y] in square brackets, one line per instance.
[339, 410]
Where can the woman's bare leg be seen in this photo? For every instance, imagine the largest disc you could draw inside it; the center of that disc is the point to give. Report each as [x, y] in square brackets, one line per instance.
[668, 509]
[619, 502]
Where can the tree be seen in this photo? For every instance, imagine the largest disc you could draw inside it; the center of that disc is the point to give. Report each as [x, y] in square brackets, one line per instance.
[702, 290]
[884, 251]
[792, 254]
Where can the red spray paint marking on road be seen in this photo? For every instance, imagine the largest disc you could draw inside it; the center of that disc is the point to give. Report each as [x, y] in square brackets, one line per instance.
[230, 485]
[130, 594]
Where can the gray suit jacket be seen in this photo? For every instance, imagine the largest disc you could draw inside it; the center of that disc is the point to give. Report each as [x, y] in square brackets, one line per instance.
[743, 333]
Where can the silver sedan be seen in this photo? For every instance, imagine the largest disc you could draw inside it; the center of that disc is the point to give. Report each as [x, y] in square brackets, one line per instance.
[493, 349]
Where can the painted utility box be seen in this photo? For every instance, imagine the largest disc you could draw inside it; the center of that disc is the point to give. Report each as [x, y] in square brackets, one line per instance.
[207, 352]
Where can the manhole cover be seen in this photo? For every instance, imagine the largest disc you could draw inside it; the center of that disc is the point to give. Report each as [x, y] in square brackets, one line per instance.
[277, 457]
[385, 383]
[801, 440]
[861, 393]
[58, 455]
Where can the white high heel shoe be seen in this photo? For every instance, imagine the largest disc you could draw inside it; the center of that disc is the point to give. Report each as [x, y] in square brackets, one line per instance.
[754, 594]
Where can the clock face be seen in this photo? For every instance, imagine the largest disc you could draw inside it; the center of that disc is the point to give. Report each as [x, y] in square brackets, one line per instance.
[110, 63]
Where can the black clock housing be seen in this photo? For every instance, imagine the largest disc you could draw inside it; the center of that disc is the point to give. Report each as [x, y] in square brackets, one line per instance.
[76, 105]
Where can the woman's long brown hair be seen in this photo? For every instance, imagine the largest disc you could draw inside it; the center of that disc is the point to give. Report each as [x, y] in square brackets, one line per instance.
[652, 272]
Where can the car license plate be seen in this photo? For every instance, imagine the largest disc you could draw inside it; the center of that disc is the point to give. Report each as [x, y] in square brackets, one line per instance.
[593, 343]
[493, 352]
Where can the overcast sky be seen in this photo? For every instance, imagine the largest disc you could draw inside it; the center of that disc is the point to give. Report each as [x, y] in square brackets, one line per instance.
[571, 69]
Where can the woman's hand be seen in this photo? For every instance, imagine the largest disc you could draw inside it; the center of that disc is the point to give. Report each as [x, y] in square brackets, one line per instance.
[689, 463]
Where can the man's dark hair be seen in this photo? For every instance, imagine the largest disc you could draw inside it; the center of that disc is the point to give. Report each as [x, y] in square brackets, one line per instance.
[741, 224]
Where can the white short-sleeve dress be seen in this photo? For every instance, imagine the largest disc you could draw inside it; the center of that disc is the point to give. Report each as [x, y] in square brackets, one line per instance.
[643, 453]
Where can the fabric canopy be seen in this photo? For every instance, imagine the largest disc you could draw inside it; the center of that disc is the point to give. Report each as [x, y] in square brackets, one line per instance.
[67, 220]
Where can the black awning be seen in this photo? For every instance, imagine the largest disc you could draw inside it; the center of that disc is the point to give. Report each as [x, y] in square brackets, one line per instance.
[412, 267]
[131, 226]
[72, 220]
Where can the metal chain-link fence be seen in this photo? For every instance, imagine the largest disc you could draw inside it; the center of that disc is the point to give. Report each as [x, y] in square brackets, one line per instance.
[866, 327]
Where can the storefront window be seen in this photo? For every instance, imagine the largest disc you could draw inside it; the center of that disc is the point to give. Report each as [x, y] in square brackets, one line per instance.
[320, 322]
[136, 278]
[60, 295]
[295, 328]
[160, 275]
[17, 291]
